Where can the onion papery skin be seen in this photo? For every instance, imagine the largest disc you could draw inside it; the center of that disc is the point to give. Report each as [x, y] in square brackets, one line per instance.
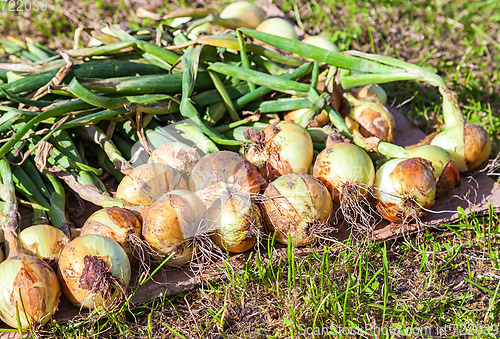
[40, 291]
[248, 14]
[115, 223]
[403, 188]
[370, 119]
[2, 257]
[224, 171]
[44, 241]
[172, 222]
[346, 168]
[142, 185]
[469, 145]
[279, 27]
[373, 93]
[281, 148]
[296, 205]
[176, 155]
[321, 42]
[88, 259]
[237, 220]
[445, 168]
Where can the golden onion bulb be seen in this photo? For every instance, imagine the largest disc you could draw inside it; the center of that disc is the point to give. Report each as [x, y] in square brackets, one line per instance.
[236, 221]
[29, 281]
[223, 171]
[142, 185]
[298, 206]
[176, 155]
[172, 222]
[247, 14]
[445, 168]
[2, 257]
[94, 271]
[404, 189]
[44, 241]
[279, 27]
[370, 119]
[281, 148]
[118, 224]
[469, 145]
[346, 170]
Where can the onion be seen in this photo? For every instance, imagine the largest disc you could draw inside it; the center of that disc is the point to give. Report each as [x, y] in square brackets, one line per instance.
[237, 221]
[445, 168]
[469, 145]
[346, 170]
[118, 224]
[44, 241]
[145, 183]
[298, 206]
[279, 149]
[172, 222]
[94, 271]
[319, 121]
[29, 287]
[279, 27]
[348, 173]
[221, 172]
[373, 93]
[321, 42]
[32, 280]
[368, 119]
[246, 13]
[404, 188]
[2, 257]
[176, 155]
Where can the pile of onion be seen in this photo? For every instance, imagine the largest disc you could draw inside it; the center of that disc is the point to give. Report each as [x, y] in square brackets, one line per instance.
[298, 207]
[370, 119]
[404, 189]
[118, 224]
[279, 149]
[94, 271]
[176, 155]
[221, 172]
[142, 185]
[172, 223]
[236, 222]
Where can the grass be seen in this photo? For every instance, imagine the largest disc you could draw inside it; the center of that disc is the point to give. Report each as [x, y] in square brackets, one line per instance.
[435, 283]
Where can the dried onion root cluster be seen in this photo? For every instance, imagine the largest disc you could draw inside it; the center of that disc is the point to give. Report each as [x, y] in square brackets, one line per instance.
[94, 271]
